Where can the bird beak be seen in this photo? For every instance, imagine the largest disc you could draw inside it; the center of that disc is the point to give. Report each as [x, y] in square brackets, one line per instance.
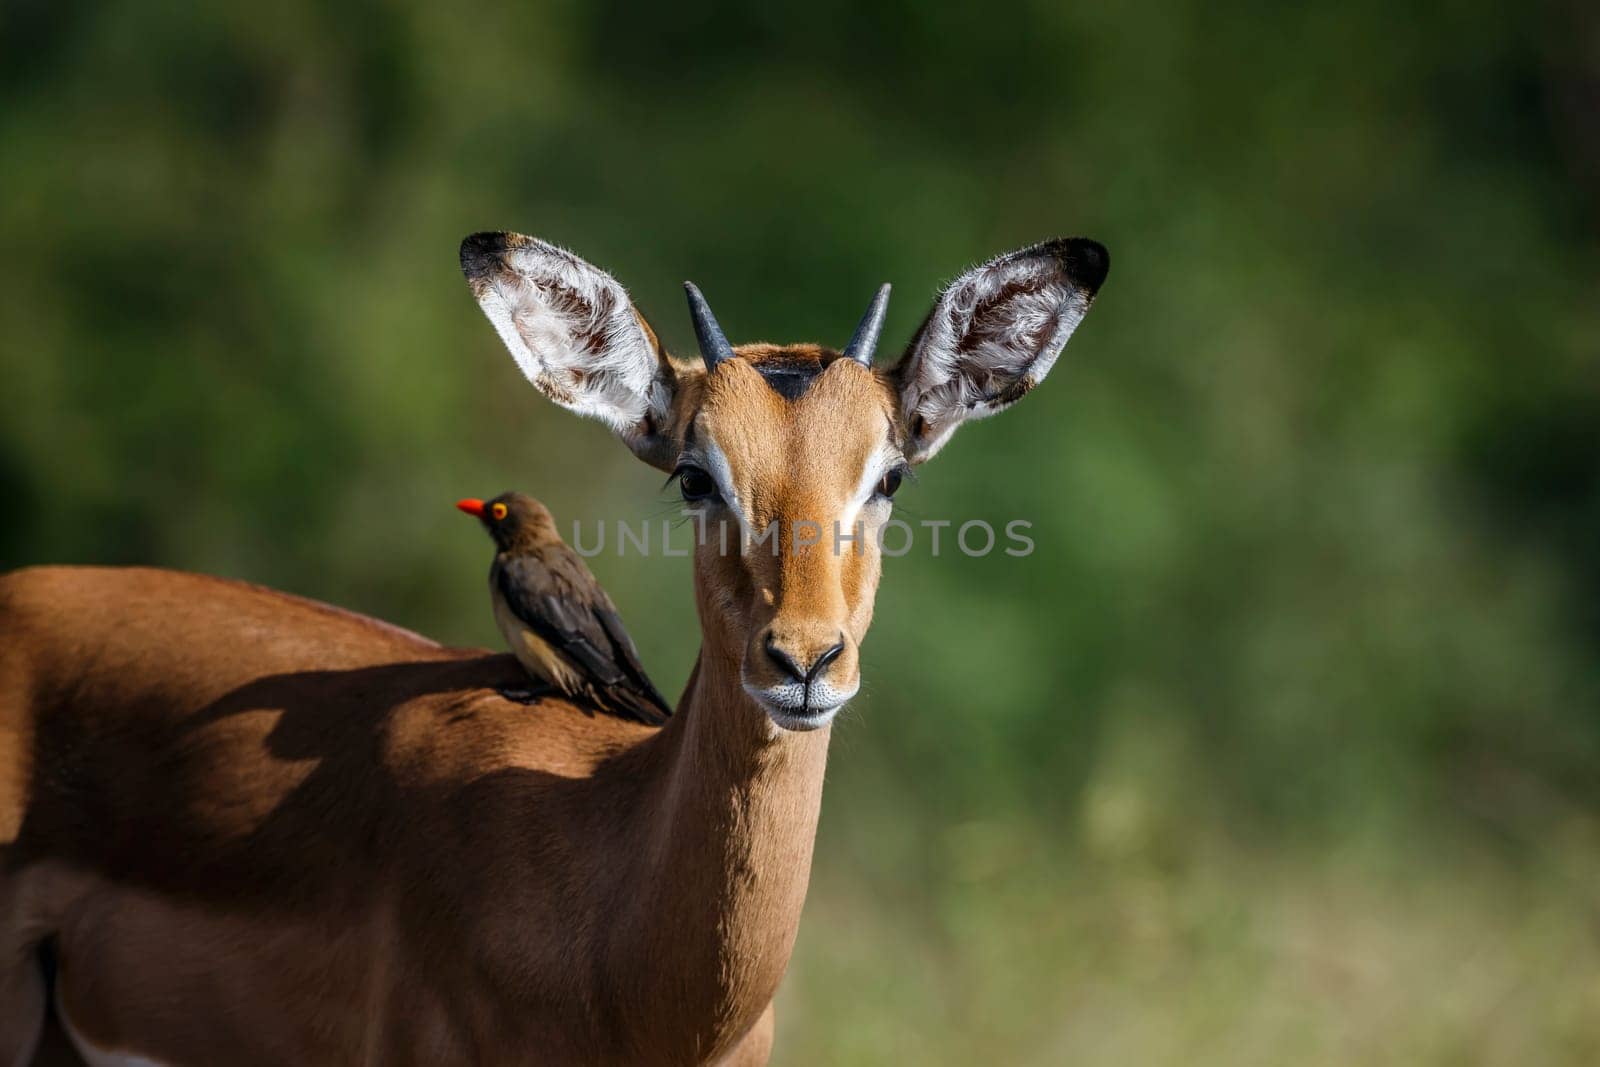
[472, 506]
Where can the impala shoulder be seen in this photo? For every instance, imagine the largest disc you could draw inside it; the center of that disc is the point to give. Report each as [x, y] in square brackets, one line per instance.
[462, 726]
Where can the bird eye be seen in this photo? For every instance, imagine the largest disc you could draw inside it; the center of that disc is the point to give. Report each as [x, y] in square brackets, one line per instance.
[498, 511]
[696, 484]
[889, 484]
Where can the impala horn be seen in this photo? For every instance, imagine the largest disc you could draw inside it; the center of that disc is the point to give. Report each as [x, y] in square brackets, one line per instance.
[865, 341]
[714, 346]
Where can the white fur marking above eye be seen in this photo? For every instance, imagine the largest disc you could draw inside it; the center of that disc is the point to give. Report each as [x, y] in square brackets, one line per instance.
[871, 473]
[716, 464]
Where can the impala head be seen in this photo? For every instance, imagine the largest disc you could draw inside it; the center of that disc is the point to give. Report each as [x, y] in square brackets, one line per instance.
[788, 455]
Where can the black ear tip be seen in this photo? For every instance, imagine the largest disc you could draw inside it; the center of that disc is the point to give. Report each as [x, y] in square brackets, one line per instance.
[481, 253]
[1087, 262]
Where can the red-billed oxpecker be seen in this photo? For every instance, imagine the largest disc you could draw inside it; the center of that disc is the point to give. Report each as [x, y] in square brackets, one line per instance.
[557, 620]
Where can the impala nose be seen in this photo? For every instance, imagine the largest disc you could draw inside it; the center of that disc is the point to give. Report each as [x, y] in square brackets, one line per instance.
[802, 674]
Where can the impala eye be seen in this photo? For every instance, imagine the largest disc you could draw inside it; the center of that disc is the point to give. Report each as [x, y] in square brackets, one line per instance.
[695, 484]
[889, 484]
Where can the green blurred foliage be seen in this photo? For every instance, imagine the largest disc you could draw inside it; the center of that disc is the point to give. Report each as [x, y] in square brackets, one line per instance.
[1284, 742]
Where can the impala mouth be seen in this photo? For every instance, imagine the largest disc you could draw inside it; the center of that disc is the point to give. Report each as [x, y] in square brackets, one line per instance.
[797, 707]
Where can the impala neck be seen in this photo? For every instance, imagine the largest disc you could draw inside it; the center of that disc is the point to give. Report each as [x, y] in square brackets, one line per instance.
[728, 853]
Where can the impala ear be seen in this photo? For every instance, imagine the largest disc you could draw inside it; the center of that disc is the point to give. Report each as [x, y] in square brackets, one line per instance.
[577, 337]
[993, 334]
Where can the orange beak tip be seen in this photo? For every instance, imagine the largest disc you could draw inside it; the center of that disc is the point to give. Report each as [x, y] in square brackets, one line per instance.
[472, 506]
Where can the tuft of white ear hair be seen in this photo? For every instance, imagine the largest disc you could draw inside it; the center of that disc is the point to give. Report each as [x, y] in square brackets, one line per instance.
[993, 334]
[570, 327]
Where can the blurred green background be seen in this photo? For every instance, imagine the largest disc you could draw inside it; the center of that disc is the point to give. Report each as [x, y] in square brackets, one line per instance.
[1282, 747]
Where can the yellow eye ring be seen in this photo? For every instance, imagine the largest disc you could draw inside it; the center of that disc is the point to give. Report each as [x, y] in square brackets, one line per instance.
[498, 511]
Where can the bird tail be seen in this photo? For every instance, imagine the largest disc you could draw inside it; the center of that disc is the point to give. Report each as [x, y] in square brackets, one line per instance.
[640, 704]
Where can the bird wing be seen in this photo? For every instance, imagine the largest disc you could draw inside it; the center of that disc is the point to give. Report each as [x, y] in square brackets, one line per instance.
[556, 596]
[627, 657]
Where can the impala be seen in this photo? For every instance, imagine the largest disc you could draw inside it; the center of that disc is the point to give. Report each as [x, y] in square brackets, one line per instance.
[238, 827]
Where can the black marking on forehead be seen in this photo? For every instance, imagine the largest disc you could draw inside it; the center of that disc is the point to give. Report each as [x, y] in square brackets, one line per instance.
[789, 377]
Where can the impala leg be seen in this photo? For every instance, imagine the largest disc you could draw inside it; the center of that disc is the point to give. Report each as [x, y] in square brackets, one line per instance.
[22, 1006]
[55, 1047]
